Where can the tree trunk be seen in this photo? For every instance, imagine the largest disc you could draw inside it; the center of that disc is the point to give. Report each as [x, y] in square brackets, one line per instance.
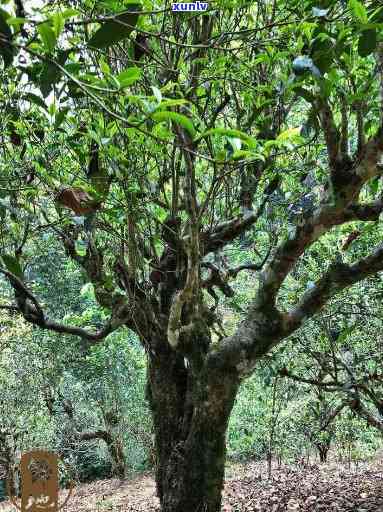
[323, 449]
[269, 464]
[190, 416]
[272, 428]
[116, 451]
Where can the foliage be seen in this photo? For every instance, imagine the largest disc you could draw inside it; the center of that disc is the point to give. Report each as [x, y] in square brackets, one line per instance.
[206, 185]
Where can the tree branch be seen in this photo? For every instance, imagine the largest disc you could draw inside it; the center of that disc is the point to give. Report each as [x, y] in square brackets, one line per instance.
[331, 417]
[218, 110]
[10, 307]
[29, 307]
[344, 131]
[98, 434]
[360, 409]
[226, 232]
[331, 385]
[317, 224]
[380, 70]
[330, 132]
[265, 325]
[338, 277]
[364, 212]
[190, 292]
[233, 272]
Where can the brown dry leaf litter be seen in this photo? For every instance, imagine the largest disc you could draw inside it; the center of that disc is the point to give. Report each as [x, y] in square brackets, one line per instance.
[317, 489]
[327, 488]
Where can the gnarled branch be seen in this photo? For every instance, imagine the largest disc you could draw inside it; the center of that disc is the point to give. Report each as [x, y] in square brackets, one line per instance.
[29, 307]
[338, 277]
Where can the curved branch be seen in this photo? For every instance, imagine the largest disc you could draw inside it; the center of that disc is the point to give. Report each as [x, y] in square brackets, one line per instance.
[97, 434]
[226, 232]
[265, 326]
[362, 411]
[331, 133]
[29, 307]
[338, 277]
[316, 225]
[332, 385]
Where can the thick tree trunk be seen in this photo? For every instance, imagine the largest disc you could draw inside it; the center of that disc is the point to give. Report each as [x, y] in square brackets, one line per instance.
[190, 415]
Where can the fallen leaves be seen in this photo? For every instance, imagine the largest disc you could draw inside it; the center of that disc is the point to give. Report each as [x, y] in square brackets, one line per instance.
[318, 489]
[327, 488]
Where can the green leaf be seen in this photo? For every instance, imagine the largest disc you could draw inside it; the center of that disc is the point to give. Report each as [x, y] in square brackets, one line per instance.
[374, 185]
[129, 76]
[173, 103]
[115, 30]
[69, 13]
[358, 10]
[377, 15]
[12, 265]
[229, 132]
[33, 98]
[177, 118]
[367, 42]
[157, 93]
[289, 134]
[242, 154]
[81, 247]
[51, 74]
[47, 35]
[6, 51]
[16, 21]
[104, 66]
[58, 22]
[59, 117]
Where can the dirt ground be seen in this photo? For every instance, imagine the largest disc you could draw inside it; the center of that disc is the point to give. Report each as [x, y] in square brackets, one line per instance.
[319, 488]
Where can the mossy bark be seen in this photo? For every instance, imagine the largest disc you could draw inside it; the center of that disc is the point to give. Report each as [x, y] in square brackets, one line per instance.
[190, 415]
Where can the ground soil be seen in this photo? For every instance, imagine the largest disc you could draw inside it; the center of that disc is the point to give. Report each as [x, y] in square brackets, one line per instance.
[316, 488]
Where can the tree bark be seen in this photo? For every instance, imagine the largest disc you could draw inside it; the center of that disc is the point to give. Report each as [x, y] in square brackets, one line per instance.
[190, 415]
[323, 449]
[115, 448]
[116, 451]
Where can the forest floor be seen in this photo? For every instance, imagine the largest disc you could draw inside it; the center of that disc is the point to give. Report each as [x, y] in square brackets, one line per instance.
[319, 488]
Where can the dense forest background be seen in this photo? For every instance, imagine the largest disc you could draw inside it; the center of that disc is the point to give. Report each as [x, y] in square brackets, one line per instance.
[190, 239]
[92, 409]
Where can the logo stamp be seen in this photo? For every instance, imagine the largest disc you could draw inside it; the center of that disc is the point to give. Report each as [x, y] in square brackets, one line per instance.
[39, 483]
